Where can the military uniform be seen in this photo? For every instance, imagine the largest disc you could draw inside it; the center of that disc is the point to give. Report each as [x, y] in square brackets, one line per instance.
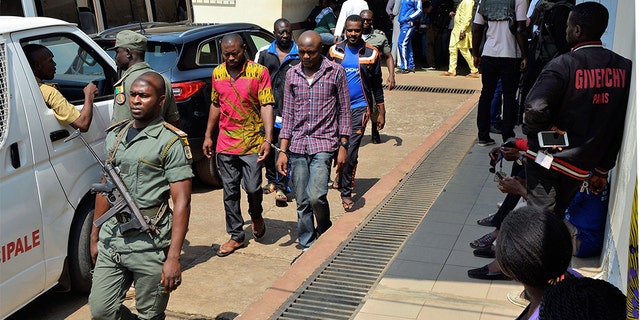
[156, 156]
[379, 40]
[121, 109]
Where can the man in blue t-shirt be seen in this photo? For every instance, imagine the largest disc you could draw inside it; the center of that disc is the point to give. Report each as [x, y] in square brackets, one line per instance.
[361, 62]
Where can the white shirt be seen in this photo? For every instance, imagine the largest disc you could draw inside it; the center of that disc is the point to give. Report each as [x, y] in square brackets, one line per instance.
[349, 7]
[500, 42]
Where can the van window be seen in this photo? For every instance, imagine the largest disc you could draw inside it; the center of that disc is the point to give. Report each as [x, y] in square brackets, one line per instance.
[60, 9]
[11, 8]
[121, 12]
[83, 12]
[76, 66]
[4, 92]
[170, 11]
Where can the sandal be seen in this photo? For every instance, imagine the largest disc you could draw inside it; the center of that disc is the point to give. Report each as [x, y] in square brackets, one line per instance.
[268, 188]
[336, 182]
[483, 241]
[347, 204]
[229, 247]
[486, 221]
[281, 198]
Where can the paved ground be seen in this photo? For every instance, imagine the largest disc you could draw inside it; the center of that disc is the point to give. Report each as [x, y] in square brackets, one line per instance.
[223, 288]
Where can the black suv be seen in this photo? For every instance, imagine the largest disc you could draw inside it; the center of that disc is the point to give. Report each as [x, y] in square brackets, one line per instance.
[186, 54]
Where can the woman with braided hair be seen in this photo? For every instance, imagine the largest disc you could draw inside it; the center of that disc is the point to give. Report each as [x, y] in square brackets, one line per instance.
[534, 248]
[583, 299]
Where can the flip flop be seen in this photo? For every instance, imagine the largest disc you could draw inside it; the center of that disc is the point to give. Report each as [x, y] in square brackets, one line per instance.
[221, 253]
[268, 188]
[281, 198]
[347, 204]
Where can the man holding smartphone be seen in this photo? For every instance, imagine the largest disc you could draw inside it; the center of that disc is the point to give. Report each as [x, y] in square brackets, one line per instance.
[582, 94]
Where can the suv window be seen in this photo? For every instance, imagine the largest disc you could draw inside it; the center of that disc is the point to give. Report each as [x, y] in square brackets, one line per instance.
[259, 40]
[161, 56]
[208, 54]
[76, 66]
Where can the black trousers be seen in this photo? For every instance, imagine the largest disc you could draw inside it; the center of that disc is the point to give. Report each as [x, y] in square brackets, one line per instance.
[493, 69]
[510, 200]
[550, 189]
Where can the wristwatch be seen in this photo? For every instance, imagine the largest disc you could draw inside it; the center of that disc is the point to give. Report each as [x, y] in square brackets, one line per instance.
[344, 144]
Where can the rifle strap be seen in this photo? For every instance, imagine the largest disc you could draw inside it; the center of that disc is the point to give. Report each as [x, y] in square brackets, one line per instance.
[112, 155]
[159, 214]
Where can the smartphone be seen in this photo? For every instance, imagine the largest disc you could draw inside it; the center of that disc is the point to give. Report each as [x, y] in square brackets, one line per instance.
[548, 139]
[499, 175]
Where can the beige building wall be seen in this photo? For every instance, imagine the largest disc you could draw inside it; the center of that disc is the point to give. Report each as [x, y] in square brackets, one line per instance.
[260, 12]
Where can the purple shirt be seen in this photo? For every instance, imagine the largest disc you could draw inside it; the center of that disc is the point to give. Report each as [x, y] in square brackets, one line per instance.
[315, 115]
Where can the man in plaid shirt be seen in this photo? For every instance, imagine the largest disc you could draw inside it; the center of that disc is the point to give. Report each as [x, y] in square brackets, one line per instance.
[315, 122]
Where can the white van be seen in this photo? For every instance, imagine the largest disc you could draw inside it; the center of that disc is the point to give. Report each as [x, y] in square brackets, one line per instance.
[46, 206]
[93, 16]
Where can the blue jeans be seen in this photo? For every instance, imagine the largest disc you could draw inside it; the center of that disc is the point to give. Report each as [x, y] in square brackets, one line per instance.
[493, 69]
[405, 59]
[309, 174]
[496, 106]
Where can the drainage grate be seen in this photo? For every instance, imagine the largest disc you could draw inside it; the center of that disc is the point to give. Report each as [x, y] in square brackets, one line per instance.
[404, 87]
[339, 287]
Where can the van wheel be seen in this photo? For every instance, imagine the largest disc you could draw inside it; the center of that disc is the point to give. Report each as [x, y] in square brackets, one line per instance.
[80, 264]
[207, 171]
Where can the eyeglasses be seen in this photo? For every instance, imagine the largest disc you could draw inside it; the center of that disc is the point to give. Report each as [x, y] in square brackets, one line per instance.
[367, 20]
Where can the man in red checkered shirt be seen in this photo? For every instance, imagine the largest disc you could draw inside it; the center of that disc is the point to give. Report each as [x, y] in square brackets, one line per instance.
[316, 122]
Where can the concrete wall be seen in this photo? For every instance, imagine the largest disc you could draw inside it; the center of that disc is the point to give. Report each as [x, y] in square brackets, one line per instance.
[260, 12]
[616, 250]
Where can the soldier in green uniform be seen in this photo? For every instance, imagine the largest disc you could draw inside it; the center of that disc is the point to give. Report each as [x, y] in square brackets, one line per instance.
[155, 162]
[130, 50]
[379, 40]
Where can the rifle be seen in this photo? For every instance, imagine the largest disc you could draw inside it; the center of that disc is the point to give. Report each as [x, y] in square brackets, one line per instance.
[117, 195]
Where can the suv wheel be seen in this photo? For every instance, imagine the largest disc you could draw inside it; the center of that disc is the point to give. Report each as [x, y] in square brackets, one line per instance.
[207, 171]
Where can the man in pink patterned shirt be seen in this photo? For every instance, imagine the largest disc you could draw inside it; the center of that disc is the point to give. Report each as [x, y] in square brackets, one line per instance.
[242, 109]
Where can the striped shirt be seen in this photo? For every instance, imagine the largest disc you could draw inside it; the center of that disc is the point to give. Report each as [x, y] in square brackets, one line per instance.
[315, 115]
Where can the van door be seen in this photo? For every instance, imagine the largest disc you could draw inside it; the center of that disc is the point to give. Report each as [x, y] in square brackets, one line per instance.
[78, 63]
[22, 153]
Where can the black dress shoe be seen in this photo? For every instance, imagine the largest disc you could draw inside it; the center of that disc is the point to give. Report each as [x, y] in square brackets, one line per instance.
[483, 273]
[486, 252]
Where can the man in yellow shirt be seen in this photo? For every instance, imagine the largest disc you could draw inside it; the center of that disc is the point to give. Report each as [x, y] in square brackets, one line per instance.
[44, 68]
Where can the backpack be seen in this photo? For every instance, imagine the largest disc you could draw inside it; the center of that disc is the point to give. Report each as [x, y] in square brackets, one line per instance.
[544, 41]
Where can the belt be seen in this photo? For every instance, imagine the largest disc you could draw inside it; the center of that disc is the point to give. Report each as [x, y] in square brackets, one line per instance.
[150, 213]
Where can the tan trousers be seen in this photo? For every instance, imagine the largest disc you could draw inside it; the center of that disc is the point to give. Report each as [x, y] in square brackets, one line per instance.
[453, 59]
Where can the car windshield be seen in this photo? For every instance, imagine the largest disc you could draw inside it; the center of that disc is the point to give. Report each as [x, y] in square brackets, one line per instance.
[161, 56]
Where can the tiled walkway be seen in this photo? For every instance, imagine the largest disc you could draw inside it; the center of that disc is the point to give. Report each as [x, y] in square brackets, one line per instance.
[428, 278]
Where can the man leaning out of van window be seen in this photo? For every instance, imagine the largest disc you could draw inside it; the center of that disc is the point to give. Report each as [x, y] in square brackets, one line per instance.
[44, 68]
